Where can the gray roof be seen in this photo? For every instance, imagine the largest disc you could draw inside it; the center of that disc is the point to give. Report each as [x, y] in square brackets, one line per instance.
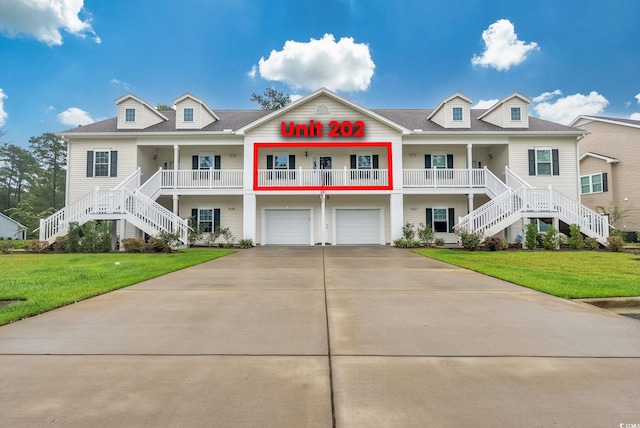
[615, 119]
[408, 118]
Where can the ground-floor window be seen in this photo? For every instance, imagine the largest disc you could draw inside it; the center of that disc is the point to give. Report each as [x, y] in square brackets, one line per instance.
[207, 218]
[441, 219]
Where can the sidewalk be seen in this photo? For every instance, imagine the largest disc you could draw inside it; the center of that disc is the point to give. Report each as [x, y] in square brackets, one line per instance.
[300, 336]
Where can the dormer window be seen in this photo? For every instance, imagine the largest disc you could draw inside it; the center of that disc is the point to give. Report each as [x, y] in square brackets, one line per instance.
[457, 113]
[188, 115]
[130, 115]
[516, 114]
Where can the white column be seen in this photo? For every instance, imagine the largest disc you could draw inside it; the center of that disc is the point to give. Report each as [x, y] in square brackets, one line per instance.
[123, 228]
[249, 216]
[176, 161]
[176, 198]
[396, 215]
[323, 220]
[470, 202]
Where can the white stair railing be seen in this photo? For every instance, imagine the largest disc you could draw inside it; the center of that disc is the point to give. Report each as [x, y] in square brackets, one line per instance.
[493, 184]
[513, 180]
[152, 186]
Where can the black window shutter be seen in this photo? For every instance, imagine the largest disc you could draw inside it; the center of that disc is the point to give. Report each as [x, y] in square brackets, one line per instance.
[450, 161]
[292, 161]
[89, 163]
[216, 218]
[605, 182]
[269, 161]
[452, 219]
[532, 162]
[555, 162]
[427, 161]
[194, 214]
[375, 161]
[216, 162]
[430, 217]
[114, 164]
[353, 162]
[194, 162]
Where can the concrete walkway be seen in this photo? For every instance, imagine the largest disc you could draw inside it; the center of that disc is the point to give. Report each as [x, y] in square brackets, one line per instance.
[313, 337]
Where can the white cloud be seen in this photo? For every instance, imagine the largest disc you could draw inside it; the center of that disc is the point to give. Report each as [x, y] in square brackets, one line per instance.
[125, 85]
[635, 116]
[564, 110]
[502, 47]
[638, 98]
[43, 19]
[485, 104]
[74, 116]
[3, 113]
[253, 71]
[341, 66]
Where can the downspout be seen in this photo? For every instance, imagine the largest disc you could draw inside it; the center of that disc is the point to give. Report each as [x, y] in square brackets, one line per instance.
[578, 165]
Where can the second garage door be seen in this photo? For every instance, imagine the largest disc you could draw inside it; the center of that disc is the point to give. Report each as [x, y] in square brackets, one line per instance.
[287, 227]
[358, 226]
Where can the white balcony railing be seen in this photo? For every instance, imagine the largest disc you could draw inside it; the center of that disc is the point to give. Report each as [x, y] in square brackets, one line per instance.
[460, 177]
[201, 179]
[324, 177]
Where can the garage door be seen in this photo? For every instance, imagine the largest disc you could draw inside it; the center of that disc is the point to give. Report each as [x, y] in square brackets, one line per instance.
[288, 227]
[362, 226]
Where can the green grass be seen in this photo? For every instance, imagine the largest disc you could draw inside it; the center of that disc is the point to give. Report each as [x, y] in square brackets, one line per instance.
[41, 282]
[570, 275]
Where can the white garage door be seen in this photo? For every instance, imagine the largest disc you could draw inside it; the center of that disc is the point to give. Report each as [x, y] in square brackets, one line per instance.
[288, 227]
[361, 226]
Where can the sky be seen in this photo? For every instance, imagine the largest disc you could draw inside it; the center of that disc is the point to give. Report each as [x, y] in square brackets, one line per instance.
[65, 62]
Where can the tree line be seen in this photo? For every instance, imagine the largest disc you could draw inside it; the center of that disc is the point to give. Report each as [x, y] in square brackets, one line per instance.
[33, 179]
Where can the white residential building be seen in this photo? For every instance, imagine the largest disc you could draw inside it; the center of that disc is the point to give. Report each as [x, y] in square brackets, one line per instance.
[324, 170]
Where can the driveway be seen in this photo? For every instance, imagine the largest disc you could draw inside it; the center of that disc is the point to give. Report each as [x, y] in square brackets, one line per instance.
[322, 337]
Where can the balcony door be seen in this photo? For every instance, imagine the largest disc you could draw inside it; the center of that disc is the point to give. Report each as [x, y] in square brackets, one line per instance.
[321, 163]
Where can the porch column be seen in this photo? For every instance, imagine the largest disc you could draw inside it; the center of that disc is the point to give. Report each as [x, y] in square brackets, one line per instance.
[176, 161]
[249, 216]
[123, 228]
[396, 215]
[470, 202]
[176, 198]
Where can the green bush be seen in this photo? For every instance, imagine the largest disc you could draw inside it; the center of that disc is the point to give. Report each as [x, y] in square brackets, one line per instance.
[246, 243]
[5, 247]
[470, 241]
[35, 246]
[407, 232]
[576, 241]
[61, 244]
[406, 243]
[615, 243]
[134, 245]
[95, 237]
[551, 240]
[425, 234]
[530, 236]
[439, 242]
[495, 243]
[226, 234]
[591, 244]
[618, 232]
[73, 237]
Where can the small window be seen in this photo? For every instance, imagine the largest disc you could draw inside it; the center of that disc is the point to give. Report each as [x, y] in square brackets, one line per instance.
[457, 113]
[438, 160]
[543, 161]
[364, 161]
[440, 220]
[281, 160]
[205, 161]
[515, 114]
[130, 115]
[591, 183]
[101, 163]
[205, 219]
[542, 226]
[188, 115]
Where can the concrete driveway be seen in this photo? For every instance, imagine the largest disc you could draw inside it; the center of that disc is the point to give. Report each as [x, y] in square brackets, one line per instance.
[313, 337]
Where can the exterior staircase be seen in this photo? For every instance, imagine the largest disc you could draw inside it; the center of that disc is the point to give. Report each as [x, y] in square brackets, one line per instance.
[520, 200]
[124, 202]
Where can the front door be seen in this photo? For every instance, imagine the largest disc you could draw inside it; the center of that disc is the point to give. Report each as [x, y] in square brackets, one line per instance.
[322, 163]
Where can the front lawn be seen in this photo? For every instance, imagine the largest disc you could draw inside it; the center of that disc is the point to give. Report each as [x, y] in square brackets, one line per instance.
[41, 282]
[566, 274]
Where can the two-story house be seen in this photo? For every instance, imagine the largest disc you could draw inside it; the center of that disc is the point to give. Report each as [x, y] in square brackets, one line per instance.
[609, 173]
[323, 170]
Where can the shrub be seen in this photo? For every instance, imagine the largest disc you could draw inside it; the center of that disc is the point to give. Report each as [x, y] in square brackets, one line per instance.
[551, 240]
[196, 231]
[439, 242]
[169, 239]
[61, 244]
[591, 244]
[246, 243]
[615, 243]
[73, 237]
[134, 245]
[425, 234]
[406, 243]
[95, 237]
[530, 236]
[407, 232]
[158, 245]
[576, 241]
[226, 234]
[495, 243]
[470, 241]
[618, 232]
[5, 247]
[35, 246]
[563, 239]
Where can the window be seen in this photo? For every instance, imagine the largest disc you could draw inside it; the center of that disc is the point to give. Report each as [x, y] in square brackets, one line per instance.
[281, 161]
[543, 161]
[188, 115]
[101, 165]
[205, 219]
[542, 226]
[130, 115]
[593, 183]
[364, 161]
[457, 113]
[205, 161]
[441, 219]
[515, 113]
[438, 161]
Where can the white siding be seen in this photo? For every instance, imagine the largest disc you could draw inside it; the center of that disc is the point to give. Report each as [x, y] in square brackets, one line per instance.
[201, 117]
[501, 116]
[145, 116]
[230, 210]
[415, 207]
[448, 118]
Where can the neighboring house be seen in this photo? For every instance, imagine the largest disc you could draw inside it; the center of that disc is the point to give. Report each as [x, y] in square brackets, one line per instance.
[11, 229]
[323, 170]
[610, 167]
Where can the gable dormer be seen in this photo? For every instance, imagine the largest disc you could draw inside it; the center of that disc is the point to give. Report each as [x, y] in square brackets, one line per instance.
[453, 112]
[136, 113]
[509, 112]
[193, 113]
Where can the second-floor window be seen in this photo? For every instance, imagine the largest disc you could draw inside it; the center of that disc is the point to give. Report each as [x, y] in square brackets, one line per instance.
[515, 114]
[457, 113]
[544, 161]
[102, 163]
[188, 115]
[130, 115]
[593, 183]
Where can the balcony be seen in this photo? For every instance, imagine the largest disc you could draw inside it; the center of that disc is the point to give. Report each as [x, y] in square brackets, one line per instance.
[453, 180]
[313, 179]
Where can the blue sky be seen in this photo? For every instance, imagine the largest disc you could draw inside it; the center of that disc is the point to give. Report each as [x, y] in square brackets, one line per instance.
[65, 62]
